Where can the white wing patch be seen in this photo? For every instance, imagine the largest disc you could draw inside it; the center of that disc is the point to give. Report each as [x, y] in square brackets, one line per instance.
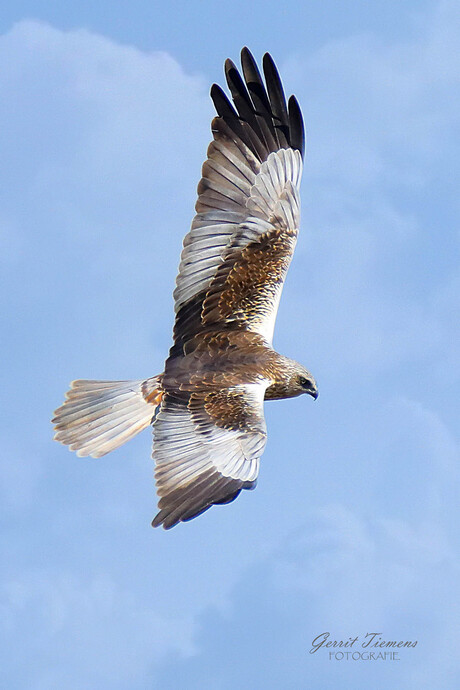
[264, 200]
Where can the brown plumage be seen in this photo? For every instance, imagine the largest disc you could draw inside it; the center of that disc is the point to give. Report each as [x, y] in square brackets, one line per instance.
[207, 406]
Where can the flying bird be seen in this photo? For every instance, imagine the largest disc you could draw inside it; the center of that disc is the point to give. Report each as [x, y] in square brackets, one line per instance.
[206, 408]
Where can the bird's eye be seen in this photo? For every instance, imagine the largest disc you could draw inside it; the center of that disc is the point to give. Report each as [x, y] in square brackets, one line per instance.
[304, 382]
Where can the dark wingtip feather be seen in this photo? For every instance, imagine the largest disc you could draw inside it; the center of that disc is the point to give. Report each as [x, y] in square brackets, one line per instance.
[246, 53]
[296, 126]
[260, 103]
[259, 114]
[221, 103]
[277, 100]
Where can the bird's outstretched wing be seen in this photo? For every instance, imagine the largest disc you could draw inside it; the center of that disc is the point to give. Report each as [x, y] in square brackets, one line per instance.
[210, 431]
[207, 446]
[241, 242]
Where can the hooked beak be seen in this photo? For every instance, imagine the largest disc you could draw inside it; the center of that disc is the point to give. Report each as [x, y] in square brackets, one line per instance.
[314, 393]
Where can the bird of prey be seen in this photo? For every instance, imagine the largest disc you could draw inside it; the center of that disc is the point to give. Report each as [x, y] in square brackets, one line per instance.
[206, 408]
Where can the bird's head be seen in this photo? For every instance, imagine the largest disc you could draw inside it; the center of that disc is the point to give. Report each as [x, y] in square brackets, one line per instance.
[293, 380]
[304, 382]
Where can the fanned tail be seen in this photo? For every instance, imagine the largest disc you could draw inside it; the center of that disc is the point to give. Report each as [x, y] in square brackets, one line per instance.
[99, 416]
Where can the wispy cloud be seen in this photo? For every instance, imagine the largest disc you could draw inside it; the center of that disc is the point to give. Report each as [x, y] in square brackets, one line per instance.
[101, 150]
[86, 631]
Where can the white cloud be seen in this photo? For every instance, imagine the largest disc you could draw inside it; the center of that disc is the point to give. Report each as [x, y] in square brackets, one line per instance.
[85, 632]
[101, 151]
[378, 242]
[99, 168]
[390, 563]
[381, 110]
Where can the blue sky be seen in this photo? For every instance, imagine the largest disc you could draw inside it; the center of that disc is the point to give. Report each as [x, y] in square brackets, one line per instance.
[353, 528]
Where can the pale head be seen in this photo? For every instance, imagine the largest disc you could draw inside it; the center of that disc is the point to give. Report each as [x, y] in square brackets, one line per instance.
[292, 379]
[302, 381]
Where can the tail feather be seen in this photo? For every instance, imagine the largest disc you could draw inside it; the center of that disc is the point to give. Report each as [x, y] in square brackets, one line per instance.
[99, 416]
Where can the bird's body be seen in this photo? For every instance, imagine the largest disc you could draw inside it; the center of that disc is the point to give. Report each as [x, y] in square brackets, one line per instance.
[207, 406]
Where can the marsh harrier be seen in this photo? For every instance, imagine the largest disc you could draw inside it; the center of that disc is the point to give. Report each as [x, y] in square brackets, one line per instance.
[206, 408]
